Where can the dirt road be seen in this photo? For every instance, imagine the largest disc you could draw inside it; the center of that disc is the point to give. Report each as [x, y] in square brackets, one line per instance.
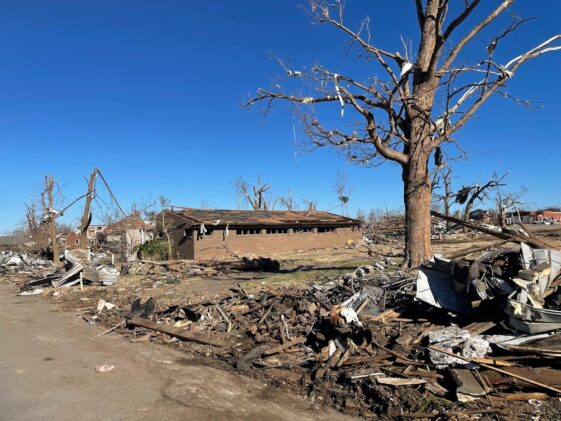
[47, 372]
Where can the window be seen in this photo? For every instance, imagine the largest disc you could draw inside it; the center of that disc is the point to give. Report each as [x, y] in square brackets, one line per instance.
[208, 231]
[327, 229]
[277, 230]
[248, 231]
[188, 233]
[303, 230]
[77, 242]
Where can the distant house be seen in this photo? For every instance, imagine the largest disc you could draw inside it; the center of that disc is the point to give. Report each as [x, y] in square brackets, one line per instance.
[204, 234]
[72, 240]
[480, 215]
[94, 233]
[525, 217]
[550, 215]
[530, 217]
[127, 234]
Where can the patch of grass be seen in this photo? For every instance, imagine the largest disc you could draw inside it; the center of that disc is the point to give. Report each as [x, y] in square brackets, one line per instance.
[302, 276]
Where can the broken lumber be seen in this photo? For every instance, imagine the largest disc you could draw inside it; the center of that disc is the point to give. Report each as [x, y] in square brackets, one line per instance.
[203, 338]
[516, 238]
[277, 349]
[525, 396]
[498, 370]
[475, 249]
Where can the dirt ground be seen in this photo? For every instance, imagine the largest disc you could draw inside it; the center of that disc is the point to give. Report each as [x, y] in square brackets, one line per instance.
[48, 360]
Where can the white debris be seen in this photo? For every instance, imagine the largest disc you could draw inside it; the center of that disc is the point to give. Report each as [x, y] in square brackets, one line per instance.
[102, 304]
[349, 315]
[406, 68]
[105, 368]
[456, 340]
[33, 292]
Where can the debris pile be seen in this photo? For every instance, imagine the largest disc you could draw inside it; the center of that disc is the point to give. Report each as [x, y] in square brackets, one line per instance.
[364, 344]
[525, 283]
[76, 272]
[150, 267]
[388, 231]
[17, 263]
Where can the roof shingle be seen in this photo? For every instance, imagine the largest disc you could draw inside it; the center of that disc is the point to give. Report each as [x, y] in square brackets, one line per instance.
[251, 217]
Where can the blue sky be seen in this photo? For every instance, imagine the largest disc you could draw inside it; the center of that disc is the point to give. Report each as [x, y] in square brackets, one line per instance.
[150, 92]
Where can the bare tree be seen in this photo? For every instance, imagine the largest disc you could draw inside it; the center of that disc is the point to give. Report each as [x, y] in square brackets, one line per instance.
[469, 195]
[361, 215]
[342, 190]
[418, 103]
[254, 196]
[508, 202]
[36, 230]
[288, 201]
[310, 205]
[166, 225]
[443, 182]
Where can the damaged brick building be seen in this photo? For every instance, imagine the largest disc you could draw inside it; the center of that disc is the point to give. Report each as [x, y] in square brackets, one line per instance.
[204, 234]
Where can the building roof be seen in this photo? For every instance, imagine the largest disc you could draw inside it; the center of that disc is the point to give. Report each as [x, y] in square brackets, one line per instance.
[252, 218]
[133, 221]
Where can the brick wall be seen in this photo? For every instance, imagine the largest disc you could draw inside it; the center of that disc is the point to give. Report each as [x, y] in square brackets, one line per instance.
[211, 246]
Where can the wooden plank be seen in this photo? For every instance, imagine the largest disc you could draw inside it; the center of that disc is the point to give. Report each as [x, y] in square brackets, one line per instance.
[397, 381]
[279, 348]
[372, 358]
[403, 359]
[498, 370]
[494, 361]
[478, 328]
[332, 360]
[385, 317]
[525, 396]
[203, 338]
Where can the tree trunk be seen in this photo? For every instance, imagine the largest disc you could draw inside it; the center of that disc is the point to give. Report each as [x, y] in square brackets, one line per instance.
[51, 224]
[84, 223]
[417, 199]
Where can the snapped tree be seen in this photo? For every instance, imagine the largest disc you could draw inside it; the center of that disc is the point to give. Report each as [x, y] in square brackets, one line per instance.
[416, 103]
[256, 196]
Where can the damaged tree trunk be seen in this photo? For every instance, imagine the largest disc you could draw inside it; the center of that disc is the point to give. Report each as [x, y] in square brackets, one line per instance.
[51, 223]
[86, 216]
[417, 199]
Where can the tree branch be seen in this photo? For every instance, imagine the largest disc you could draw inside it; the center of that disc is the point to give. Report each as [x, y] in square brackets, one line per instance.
[478, 28]
[508, 72]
